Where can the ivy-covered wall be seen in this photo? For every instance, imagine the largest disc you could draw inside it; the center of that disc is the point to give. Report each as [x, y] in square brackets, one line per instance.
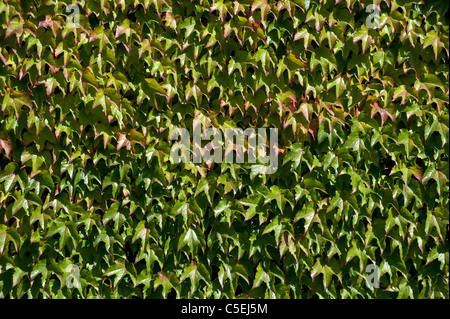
[92, 206]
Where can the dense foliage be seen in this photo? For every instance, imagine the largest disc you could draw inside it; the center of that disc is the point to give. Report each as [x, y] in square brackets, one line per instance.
[86, 178]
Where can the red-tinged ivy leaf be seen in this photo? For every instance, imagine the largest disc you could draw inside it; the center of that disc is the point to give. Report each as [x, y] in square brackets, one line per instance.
[15, 26]
[263, 56]
[4, 238]
[402, 92]
[325, 58]
[295, 154]
[206, 186]
[307, 213]
[363, 36]
[280, 196]
[384, 112]
[189, 23]
[196, 272]
[5, 144]
[192, 238]
[434, 221]
[45, 179]
[40, 268]
[19, 99]
[252, 202]
[143, 233]
[264, 7]
[124, 28]
[18, 276]
[36, 161]
[276, 226]
[89, 78]
[407, 172]
[66, 231]
[410, 141]
[136, 137]
[412, 190]
[181, 207]
[312, 184]
[117, 270]
[340, 85]
[228, 183]
[355, 142]
[261, 276]
[306, 36]
[217, 6]
[168, 281]
[439, 126]
[155, 86]
[118, 80]
[87, 182]
[438, 254]
[293, 63]
[440, 178]
[433, 39]
[240, 270]
[8, 176]
[428, 82]
[327, 275]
